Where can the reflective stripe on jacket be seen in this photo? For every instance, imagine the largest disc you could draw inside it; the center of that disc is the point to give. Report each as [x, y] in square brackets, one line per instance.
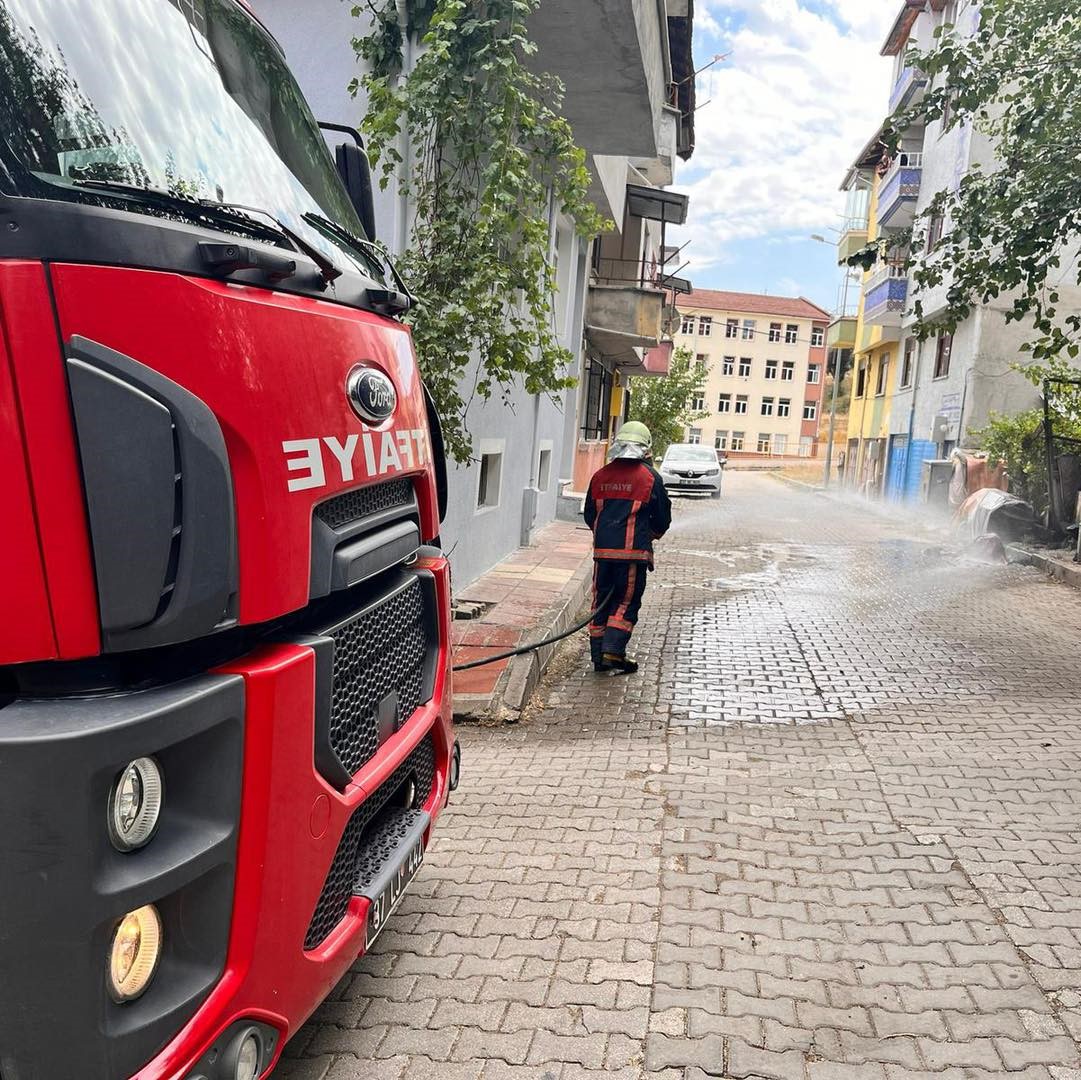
[627, 508]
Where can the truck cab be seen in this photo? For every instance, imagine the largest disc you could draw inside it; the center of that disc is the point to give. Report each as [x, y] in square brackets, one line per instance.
[225, 702]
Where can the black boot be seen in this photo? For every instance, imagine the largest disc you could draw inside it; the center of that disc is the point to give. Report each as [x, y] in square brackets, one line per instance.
[596, 654]
[621, 665]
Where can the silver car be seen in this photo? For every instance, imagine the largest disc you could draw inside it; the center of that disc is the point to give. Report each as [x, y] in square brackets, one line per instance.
[690, 467]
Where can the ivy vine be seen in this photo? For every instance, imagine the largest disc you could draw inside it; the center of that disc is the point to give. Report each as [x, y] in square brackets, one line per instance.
[490, 159]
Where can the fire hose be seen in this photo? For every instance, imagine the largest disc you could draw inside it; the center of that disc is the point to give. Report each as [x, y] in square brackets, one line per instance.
[523, 649]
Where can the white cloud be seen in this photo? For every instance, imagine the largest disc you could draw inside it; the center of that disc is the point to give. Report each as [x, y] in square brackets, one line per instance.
[794, 103]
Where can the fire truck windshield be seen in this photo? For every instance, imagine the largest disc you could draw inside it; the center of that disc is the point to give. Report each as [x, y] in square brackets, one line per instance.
[189, 97]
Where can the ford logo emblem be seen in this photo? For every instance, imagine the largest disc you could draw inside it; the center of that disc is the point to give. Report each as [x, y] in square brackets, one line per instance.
[371, 394]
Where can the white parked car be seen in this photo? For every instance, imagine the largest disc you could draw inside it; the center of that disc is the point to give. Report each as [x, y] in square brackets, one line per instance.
[690, 467]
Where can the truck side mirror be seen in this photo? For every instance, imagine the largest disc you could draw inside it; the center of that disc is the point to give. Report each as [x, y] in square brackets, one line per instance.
[356, 173]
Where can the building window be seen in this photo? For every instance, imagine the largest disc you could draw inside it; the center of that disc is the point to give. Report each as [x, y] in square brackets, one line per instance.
[883, 375]
[544, 467]
[737, 440]
[767, 406]
[720, 440]
[687, 326]
[942, 355]
[705, 325]
[744, 367]
[763, 444]
[775, 330]
[861, 378]
[788, 371]
[700, 361]
[724, 403]
[791, 333]
[490, 480]
[728, 365]
[806, 442]
[597, 400]
[934, 232]
[818, 337]
[694, 435]
[741, 404]
[810, 410]
[814, 373]
[908, 362]
[771, 369]
[748, 329]
[698, 402]
[784, 407]
[780, 444]
[731, 328]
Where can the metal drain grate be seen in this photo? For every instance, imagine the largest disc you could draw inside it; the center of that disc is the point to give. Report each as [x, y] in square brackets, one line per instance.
[352, 855]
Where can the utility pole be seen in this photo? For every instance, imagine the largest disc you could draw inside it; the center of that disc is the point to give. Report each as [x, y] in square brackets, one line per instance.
[836, 383]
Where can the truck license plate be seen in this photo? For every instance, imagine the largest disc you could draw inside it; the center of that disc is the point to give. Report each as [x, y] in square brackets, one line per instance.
[382, 907]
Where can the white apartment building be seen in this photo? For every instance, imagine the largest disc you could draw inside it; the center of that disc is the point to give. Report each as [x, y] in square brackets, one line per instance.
[765, 359]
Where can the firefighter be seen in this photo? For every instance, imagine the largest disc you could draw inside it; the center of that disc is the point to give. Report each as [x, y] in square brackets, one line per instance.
[627, 508]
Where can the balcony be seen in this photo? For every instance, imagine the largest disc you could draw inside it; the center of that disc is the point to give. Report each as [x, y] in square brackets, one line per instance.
[909, 89]
[885, 296]
[898, 191]
[622, 319]
[853, 238]
[842, 333]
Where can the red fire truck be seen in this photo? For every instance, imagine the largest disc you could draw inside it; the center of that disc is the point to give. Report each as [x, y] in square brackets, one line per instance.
[225, 727]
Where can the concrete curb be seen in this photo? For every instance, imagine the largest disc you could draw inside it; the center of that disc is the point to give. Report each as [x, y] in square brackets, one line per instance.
[524, 672]
[1069, 573]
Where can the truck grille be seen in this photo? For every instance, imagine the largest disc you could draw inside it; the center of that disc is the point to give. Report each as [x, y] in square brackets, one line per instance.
[352, 859]
[363, 502]
[379, 654]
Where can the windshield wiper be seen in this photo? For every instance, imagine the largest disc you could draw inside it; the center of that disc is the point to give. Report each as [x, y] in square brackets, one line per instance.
[375, 255]
[327, 269]
[192, 208]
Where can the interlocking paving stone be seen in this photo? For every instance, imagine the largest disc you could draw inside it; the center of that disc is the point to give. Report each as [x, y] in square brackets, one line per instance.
[832, 829]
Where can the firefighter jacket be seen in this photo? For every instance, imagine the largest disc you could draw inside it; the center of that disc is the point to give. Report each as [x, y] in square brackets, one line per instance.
[627, 508]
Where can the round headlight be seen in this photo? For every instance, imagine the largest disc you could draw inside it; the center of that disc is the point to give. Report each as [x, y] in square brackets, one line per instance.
[135, 952]
[135, 804]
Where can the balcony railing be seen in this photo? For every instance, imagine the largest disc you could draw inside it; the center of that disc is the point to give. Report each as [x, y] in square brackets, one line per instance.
[886, 297]
[853, 237]
[899, 189]
[889, 272]
[909, 88]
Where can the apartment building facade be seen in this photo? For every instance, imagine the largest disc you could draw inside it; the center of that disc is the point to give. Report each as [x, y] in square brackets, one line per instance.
[765, 359]
[628, 72]
[915, 401]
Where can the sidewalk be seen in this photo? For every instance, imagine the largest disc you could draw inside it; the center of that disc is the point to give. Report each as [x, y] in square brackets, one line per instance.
[534, 593]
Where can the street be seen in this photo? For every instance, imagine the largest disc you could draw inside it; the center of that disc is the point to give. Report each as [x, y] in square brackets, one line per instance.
[829, 831]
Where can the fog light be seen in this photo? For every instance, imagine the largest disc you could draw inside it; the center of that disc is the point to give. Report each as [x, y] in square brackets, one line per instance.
[455, 767]
[135, 952]
[243, 1060]
[135, 804]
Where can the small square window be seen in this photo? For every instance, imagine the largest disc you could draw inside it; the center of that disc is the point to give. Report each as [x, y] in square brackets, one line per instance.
[767, 406]
[705, 325]
[810, 410]
[688, 324]
[784, 407]
[788, 371]
[748, 329]
[763, 444]
[883, 375]
[544, 469]
[720, 440]
[771, 369]
[943, 349]
[694, 435]
[724, 403]
[775, 331]
[741, 404]
[698, 402]
[728, 365]
[818, 337]
[861, 379]
[814, 373]
[737, 440]
[731, 328]
[700, 361]
[490, 480]
[745, 367]
[791, 333]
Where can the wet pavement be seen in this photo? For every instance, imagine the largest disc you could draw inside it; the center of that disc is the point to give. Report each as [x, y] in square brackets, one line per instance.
[831, 830]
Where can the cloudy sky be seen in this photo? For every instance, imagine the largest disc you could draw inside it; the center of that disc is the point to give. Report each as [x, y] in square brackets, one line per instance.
[801, 92]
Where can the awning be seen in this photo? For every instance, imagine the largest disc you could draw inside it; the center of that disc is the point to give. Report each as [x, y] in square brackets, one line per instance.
[656, 204]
